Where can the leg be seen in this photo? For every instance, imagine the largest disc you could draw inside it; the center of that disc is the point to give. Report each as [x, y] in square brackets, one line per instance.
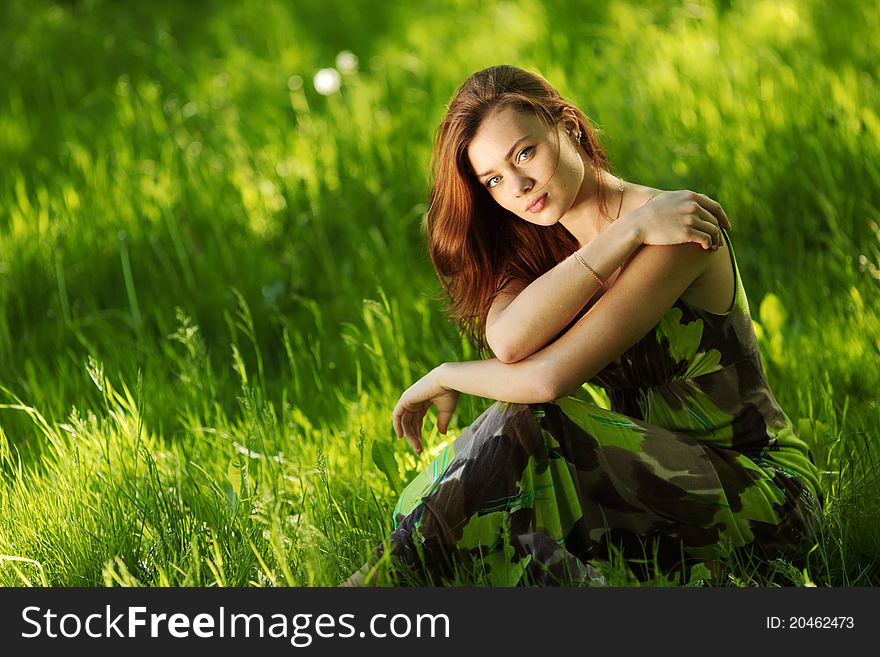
[535, 492]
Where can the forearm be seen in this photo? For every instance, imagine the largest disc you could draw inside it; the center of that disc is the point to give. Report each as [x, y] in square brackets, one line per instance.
[523, 382]
[544, 308]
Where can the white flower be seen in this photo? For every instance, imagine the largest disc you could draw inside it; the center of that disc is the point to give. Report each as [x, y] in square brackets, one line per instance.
[327, 81]
[347, 61]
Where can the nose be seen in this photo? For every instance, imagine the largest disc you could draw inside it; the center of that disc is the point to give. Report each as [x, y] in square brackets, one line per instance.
[525, 185]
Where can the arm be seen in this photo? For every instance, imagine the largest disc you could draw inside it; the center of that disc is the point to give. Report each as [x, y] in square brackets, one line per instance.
[522, 320]
[656, 277]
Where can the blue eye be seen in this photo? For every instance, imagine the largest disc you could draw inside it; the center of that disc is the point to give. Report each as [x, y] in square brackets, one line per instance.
[524, 152]
[489, 182]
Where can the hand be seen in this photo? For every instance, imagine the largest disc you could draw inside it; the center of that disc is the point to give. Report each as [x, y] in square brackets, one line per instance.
[414, 403]
[680, 217]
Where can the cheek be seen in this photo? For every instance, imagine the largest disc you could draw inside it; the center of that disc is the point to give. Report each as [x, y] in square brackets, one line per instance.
[549, 162]
[571, 172]
[502, 198]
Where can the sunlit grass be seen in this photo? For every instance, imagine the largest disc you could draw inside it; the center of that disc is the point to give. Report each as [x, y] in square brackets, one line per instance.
[214, 286]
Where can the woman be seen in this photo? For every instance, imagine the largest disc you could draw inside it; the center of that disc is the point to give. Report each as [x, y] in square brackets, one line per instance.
[570, 274]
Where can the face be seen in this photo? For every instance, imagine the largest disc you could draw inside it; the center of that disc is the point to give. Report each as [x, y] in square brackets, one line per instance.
[532, 170]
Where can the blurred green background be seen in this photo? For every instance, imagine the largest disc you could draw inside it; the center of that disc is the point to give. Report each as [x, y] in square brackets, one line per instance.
[213, 284]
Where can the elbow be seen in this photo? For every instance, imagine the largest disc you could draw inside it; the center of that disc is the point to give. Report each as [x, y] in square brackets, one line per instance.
[504, 350]
[554, 382]
[507, 356]
[548, 386]
[546, 393]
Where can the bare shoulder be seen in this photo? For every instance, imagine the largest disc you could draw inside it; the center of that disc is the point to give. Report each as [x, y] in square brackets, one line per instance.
[715, 288]
[636, 196]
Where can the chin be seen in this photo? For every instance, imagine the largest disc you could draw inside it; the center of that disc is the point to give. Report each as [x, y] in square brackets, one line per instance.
[542, 221]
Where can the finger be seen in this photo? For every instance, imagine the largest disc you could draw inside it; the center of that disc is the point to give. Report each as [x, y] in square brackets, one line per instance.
[413, 430]
[705, 233]
[419, 419]
[395, 421]
[709, 222]
[443, 421]
[416, 442]
[397, 418]
[403, 420]
[715, 208]
[697, 236]
[406, 430]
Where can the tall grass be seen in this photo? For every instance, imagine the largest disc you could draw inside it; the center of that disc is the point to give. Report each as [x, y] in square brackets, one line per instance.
[213, 284]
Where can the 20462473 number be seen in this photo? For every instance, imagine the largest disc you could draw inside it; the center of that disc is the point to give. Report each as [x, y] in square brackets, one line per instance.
[810, 622]
[820, 622]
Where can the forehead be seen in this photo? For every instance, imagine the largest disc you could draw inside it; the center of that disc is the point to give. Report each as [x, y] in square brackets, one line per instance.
[497, 133]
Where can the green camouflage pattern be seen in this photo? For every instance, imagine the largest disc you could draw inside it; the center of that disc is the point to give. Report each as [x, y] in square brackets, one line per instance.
[694, 462]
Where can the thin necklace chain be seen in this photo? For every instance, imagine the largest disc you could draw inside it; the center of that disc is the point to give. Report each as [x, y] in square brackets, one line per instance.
[619, 205]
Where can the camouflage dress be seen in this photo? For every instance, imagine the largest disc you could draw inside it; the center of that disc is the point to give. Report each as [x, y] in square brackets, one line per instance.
[694, 462]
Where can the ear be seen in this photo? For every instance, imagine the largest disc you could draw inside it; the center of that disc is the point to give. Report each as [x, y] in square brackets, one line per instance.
[569, 120]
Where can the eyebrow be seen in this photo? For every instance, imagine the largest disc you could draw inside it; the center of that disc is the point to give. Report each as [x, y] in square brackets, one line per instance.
[509, 153]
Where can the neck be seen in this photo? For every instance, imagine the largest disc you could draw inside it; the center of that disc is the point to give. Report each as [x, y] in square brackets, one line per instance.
[583, 219]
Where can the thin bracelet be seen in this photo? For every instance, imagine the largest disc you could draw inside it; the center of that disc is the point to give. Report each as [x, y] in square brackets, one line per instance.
[588, 268]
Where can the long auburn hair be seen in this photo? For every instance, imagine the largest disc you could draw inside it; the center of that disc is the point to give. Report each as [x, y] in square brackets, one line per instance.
[477, 247]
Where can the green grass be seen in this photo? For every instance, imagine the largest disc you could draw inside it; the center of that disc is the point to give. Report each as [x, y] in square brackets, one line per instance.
[213, 285]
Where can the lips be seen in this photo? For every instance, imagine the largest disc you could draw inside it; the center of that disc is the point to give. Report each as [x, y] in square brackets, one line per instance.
[538, 205]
